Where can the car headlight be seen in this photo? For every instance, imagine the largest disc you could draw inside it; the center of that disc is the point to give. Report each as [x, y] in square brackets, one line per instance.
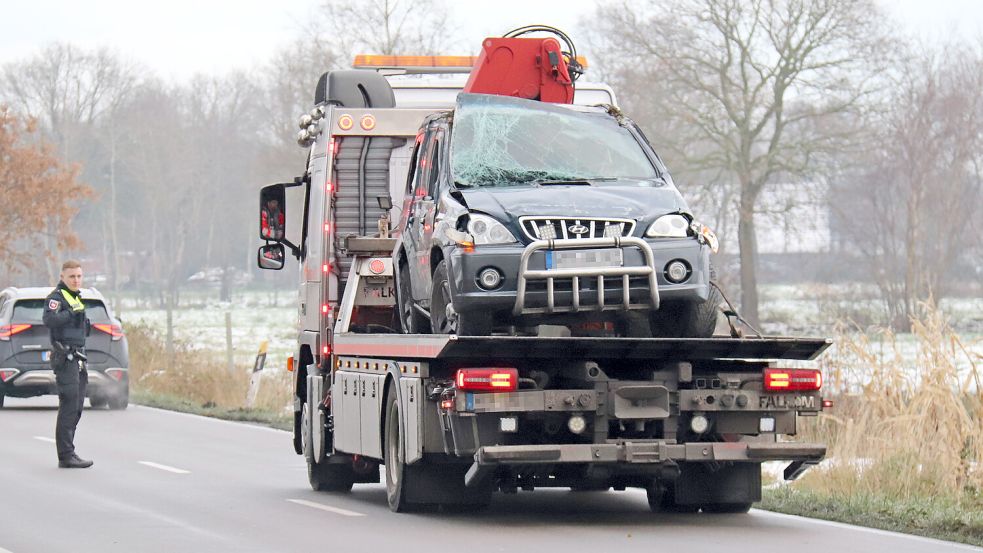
[486, 230]
[669, 226]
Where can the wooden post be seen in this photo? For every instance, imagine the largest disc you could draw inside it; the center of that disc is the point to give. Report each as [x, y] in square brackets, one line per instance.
[228, 342]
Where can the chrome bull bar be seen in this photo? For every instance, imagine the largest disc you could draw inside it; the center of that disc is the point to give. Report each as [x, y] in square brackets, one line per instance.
[575, 274]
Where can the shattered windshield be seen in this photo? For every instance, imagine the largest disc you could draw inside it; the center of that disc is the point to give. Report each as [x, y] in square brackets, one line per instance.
[502, 141]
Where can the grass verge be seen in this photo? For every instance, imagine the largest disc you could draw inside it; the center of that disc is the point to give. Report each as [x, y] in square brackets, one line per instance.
[268, 417]
[932, 517]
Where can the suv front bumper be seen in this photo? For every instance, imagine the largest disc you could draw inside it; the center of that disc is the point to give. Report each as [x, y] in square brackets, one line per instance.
[466, 265]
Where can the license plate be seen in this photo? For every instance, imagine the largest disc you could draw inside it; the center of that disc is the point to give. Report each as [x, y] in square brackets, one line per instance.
[787, 401]
[584, 259]
[45, 355]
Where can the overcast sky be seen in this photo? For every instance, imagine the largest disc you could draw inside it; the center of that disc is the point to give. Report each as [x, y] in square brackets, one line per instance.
[178, 38]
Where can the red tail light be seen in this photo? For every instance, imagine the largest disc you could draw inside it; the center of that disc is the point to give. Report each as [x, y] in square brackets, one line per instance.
[115, 331]
[116, 374]
[6, 331]
[488, 380]
[7, 374]
[793, 380]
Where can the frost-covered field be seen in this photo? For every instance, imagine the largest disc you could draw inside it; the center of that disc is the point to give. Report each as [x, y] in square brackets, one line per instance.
[200, 322]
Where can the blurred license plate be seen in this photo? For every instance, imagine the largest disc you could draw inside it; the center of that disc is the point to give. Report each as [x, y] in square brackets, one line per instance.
[584, 259]
[46, 356]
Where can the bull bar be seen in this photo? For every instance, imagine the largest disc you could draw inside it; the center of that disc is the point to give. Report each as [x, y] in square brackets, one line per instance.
[550, 275]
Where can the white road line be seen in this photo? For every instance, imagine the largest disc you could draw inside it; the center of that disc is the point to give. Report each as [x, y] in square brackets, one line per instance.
[327, 508]
[2, 550]
[254, 426]
[878, 531]
[165, 467]
[43, 439]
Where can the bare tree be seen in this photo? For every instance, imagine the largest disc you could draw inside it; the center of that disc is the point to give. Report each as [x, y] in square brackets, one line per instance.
[744, 85]
[910, 203]
[387, 27]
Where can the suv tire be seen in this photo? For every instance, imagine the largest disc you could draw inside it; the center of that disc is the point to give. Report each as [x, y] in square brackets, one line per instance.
[696, 319]
[120, 402]
[444, 319]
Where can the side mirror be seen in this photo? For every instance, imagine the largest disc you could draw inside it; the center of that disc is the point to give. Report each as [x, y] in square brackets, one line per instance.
[270, 256]
[272, 212]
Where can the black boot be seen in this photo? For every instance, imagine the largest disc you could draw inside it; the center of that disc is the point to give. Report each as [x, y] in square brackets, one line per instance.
[74, 462]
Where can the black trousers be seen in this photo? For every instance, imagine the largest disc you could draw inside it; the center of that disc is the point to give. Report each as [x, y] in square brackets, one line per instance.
[72, 382]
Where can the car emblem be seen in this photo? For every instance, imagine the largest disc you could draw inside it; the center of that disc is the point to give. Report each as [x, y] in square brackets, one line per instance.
[578, 229]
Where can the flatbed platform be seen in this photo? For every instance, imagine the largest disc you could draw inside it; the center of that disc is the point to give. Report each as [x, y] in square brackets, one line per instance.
[429, 346]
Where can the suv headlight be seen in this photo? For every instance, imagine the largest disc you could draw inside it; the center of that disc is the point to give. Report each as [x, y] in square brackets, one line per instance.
[486, 230]
[669, 226]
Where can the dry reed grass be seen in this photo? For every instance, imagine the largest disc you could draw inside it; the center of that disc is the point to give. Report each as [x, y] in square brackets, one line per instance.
[198, 377]
[901, 429]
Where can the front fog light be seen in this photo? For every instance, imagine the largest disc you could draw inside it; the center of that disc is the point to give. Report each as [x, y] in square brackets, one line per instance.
[489, 278]
[699, 424]
[577, 424]
[676, 271]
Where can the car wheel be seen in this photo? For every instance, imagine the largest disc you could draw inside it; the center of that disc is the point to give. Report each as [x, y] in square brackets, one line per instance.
[120, 402]
[411, 320]
[444, 319]
[1, 400]
[98, 402]
[696, 319]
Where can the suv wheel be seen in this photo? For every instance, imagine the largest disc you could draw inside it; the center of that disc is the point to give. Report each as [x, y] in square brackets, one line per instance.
[1, 400]
[696, 319]
[98, 402]
[410, 319]
[444, 319]
[120, 402]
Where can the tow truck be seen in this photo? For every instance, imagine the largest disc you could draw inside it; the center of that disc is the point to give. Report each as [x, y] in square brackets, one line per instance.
[453, 419]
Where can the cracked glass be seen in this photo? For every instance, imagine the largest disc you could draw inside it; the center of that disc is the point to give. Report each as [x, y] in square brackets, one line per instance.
[503, 141]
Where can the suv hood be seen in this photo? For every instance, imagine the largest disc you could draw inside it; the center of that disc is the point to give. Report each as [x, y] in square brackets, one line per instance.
[643, 203]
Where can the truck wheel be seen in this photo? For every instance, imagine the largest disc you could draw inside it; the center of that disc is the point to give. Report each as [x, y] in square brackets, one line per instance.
[120, 402]
[330, 477]
[394, 455]
[720, 508]
[410, 319]
[662, 499]
[696, 319]
[444, 319]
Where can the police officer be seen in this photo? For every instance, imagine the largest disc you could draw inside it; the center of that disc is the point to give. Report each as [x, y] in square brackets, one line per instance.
[64, 315]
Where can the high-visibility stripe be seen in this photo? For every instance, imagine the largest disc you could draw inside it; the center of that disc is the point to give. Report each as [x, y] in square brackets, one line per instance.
[76, 304]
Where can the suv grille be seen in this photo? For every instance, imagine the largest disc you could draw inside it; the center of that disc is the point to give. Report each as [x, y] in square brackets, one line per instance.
[570, 228]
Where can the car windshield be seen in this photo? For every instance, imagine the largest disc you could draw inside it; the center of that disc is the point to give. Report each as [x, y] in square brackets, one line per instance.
[502, 141]
[31, 311]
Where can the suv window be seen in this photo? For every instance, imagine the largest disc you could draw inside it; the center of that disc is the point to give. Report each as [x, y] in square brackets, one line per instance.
[32, 311]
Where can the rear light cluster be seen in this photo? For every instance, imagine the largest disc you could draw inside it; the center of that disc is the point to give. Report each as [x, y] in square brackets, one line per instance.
[6, 331]
[793, 380]
[116, 374]
[113, 330]
[7, 374]
[487, 379]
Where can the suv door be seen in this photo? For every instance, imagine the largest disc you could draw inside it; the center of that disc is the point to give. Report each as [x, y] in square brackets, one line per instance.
[421, 207]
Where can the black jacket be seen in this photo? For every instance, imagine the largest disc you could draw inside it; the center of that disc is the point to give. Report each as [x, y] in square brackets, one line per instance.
[67, 327]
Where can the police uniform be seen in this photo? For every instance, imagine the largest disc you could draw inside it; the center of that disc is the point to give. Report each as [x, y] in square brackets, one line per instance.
[64, 315]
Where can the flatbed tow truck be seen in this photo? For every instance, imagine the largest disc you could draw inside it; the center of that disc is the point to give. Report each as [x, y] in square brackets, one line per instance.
[455, 418]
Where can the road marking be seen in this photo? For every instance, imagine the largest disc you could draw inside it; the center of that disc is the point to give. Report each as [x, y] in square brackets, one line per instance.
[43, 439]
[2, 550]
[327, 508]
[165, 467]
[212, 419]
[878, 531]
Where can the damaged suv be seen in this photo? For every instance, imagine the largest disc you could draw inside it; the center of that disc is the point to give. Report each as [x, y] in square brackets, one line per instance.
[520, 213]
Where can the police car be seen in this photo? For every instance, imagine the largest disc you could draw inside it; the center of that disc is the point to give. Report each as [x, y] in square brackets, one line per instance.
[25, 349]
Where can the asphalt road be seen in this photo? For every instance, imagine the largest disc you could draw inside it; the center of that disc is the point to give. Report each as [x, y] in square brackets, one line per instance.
[171, 482]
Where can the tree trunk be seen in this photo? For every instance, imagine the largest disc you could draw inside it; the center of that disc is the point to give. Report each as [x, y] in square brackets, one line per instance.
[748, 243]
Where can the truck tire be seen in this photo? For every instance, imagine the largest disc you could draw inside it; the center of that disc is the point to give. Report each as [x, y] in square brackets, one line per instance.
[722, 508]
[410, 319]
[662, 499]
[330, 477]
[696, 319]
[444, 319]
[393, 457]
